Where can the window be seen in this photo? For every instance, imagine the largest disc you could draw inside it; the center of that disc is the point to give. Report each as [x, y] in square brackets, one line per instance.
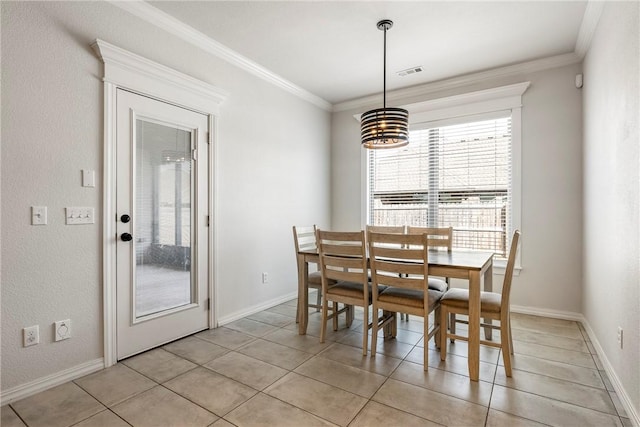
[460, 169]
[449, 175]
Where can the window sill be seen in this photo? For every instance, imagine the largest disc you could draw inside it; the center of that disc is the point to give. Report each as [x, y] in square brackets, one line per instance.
[500, 265]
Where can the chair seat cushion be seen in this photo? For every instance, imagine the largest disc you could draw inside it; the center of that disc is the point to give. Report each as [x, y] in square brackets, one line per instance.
[438, 284]
[409, 297]
[351, 290]
[315, 280]
[459, 298]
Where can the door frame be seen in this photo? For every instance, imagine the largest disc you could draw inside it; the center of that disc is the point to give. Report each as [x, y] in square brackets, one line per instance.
[126, 70]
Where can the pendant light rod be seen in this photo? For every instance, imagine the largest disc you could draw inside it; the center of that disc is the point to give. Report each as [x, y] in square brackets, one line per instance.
[384, 25]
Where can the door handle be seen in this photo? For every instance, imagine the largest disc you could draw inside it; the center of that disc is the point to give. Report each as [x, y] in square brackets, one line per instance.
[126, 237]
[125, 218]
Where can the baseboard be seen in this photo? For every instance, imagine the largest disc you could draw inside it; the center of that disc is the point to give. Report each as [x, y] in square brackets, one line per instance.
[556, 314]
[256, 308]
[49, 381]
[632, 414]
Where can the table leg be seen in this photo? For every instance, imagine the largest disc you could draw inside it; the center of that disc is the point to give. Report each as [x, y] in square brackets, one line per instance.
[303, 294]
[488, 287]
[474, 326]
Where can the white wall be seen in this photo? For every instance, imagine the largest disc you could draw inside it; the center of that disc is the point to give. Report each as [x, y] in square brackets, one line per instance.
[551, 249]
[273, 157]
[611, 295]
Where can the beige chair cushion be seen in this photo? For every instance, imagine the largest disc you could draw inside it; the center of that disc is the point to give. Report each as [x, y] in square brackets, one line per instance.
[409, 297]
[438, 284]
[351, 289]
[490, 301]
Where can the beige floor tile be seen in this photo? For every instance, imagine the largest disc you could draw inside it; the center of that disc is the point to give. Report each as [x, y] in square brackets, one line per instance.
[352, 356]
[210, 390]
[251, 327]
[389, 347]
[563, 371]
[565, 391]
[196, 350]
[306, 343]
[626, 422]
[10, 418]
[461, 348]
[263, 410]
[162, 407]
[548, 411]
[226, 337]
[502, 419]
[103, 419]
[605, 380]
[376, 414]
[115, 384]
[247, 370]
[444, 382]
[270, 318]
[285, 310]
[63, 405]
[159, 365]
[354, 380]
[574, 344]
[275, 354]
[453, 363]
[328, 402]
[564, 328]
[222, 423]
[431, 405]
[553, 353]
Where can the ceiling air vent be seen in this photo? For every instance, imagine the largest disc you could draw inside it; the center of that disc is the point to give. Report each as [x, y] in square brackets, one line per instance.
[411, 70]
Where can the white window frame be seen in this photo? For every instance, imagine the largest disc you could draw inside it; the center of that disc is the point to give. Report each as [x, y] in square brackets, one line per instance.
[469, 104]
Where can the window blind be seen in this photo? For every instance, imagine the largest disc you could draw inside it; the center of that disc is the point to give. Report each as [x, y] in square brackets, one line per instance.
[454, 173]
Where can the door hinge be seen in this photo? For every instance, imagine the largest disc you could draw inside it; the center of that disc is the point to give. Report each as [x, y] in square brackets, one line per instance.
[208, 218]
[194, 154]
[208, 303]
[208, 137]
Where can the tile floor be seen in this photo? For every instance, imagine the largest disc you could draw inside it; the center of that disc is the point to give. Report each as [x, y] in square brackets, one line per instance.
[258, 371]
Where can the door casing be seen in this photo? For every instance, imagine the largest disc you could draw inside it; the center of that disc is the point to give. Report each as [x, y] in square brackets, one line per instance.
[126, 70]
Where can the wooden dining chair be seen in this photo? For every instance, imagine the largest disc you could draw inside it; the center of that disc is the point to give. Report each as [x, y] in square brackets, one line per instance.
[343, 259]
[438, 238]
[304, 239]
[492, 306]
[400, 267]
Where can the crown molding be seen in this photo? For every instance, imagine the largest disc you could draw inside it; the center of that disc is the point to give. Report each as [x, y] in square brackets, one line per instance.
[588, 27]
[416, 91]
[160, 19]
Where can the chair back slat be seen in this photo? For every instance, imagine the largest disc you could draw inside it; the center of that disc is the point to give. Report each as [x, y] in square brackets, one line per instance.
[304, 238]
[343, 256]
[508, 274]
[438, 237]
[399, 260]
[395, 229]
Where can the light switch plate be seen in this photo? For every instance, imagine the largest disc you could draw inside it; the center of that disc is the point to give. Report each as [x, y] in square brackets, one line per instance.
[88, 178]
[38, 215]
[75, 216]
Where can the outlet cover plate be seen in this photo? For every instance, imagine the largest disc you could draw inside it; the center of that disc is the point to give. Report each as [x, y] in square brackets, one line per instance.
[62, 329]
[30, 336]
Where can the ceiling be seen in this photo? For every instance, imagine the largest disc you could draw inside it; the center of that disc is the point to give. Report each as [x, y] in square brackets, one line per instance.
[333, 49]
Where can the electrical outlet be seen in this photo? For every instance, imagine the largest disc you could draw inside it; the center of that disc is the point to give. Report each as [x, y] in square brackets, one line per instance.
[265, 277]
[62, 329]
[30, 336]
[620, 337]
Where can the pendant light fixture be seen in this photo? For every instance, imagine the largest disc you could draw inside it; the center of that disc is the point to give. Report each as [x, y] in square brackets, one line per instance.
[385, 127]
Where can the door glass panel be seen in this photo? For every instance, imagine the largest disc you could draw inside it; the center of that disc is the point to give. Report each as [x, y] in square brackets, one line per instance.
[163, 200]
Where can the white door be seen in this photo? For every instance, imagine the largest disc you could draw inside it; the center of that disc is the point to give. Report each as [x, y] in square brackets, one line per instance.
[162, 213]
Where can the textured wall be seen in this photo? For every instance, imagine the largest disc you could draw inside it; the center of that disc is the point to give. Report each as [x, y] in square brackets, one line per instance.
[273, 157]
[612, 190]
[551, 185]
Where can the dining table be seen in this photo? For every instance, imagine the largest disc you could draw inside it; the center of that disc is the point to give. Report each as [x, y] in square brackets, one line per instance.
[474, 266]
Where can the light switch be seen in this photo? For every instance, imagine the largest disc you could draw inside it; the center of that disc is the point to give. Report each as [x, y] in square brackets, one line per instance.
[38, 215]
[76, 216]
[88, 178]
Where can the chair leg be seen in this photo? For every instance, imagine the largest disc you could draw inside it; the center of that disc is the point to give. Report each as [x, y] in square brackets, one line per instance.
[374, 333]
[425, 359]
[319, 299]
[335, 315]
[297, 313]
[323, 325]
[349, 315]
[365, 331]
[506, 351]
[443, 333]
[452, 324]
[510, 334]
